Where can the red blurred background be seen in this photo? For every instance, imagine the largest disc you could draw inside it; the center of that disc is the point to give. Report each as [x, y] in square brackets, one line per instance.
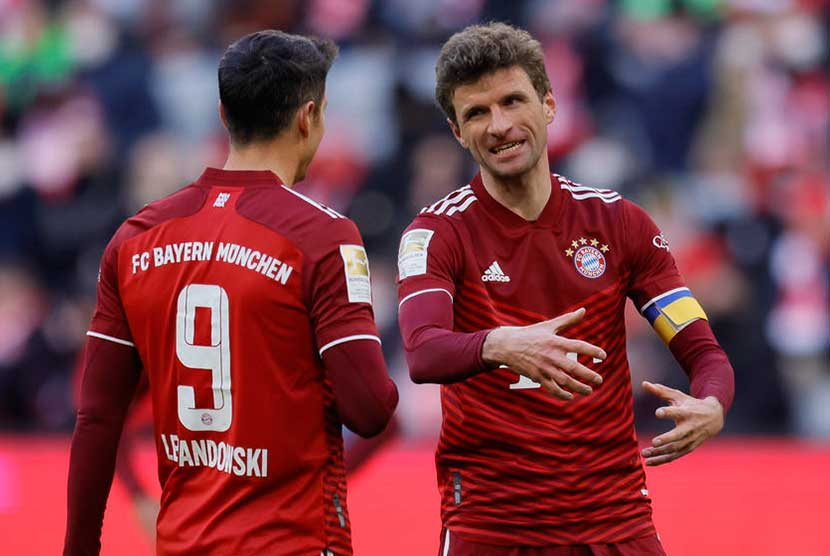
[760, 497]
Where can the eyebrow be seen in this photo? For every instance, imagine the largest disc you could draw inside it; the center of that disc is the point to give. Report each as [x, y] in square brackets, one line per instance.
[514, 93]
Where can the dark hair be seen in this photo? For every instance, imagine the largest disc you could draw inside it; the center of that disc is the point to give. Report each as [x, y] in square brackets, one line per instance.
[266, 76]
[482, 49]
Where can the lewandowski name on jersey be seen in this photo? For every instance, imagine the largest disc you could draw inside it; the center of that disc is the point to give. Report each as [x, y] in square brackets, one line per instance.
[233, 460]
[199, 251]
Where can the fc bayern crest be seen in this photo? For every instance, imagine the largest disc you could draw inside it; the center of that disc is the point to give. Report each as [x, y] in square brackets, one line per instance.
[590, 262]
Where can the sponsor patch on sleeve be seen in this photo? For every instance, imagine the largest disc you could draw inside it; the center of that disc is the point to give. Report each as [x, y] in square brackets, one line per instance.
[356, 267]
[412, 255]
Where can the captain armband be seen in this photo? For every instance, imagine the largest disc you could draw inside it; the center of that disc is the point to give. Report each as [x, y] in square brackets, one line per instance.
[671, 312]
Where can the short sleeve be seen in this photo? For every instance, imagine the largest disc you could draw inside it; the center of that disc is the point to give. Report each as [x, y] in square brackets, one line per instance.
[340, 288]
[650, 262]
[426, 258]
[109, 321]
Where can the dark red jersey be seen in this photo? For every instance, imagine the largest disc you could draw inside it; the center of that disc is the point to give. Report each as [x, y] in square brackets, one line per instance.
[230, 289]
[517, 466]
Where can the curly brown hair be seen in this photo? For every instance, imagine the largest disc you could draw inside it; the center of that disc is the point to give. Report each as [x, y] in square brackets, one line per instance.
[482, 49]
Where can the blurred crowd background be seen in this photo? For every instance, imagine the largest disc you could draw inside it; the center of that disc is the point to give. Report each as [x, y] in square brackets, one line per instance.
[712, 114]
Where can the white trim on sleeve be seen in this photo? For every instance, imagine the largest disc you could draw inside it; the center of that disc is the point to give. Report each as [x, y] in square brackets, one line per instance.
[110, 338]
[661, 296]
[348, 339]
[446, 550]
[410, 296]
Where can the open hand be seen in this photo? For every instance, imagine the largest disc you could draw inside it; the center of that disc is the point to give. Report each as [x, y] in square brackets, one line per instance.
[695, 421]
[539, 353]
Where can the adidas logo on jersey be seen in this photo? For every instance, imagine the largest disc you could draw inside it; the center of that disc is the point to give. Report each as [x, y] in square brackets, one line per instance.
[494, 273]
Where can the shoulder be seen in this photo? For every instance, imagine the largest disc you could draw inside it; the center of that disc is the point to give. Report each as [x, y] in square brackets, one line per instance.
[307, 223]
[585, 196]
[447, 213]
[182, 203]
[607, 204]
[452, 206]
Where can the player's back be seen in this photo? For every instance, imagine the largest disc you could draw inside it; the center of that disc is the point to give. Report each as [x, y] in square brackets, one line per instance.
[220, 284]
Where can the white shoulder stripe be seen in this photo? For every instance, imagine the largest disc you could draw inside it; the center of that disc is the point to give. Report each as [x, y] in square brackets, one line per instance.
[410, 296]
[583, 189]
[458, 193]
[110, 338]
[581, 196]
[349, 339]
[331, 212]
[454, 201]
[448, 200]
[463, 206]
[579, 191]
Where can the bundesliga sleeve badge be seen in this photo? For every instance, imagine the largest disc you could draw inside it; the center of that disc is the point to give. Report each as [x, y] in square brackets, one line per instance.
[356, 266]
[412, 254]
[588, 256]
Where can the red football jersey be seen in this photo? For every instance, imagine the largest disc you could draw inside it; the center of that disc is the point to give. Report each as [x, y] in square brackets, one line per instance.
[230, 289]
[517, 466]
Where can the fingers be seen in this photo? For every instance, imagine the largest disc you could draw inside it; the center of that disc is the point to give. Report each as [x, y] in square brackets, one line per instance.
[665, 449]
[674, 435]
[660, 460]
[671, 412]
[568, 319]
[572, 384]
[584, 348]
[577, 370]
[557, 391]
[663, 392]
[671, 456]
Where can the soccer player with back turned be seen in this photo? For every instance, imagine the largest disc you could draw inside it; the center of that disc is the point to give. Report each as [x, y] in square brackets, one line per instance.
[249, 306]
[538, 454]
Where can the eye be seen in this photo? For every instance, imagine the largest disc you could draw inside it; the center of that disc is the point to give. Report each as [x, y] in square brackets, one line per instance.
[472, 113]
[512, 99]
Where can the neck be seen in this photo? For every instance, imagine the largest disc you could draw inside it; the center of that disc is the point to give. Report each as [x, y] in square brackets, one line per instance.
[275, 155]
[526, 194]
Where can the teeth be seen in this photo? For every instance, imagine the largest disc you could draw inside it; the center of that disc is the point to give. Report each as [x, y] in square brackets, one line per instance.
[507, 147]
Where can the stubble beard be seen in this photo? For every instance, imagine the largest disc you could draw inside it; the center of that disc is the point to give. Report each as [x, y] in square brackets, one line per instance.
[511, 175]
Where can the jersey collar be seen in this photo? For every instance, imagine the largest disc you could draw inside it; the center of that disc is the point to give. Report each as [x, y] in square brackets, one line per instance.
[549, 218]
[238, 178]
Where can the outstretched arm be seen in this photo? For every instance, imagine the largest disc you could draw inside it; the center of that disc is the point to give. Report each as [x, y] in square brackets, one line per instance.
[437, 354]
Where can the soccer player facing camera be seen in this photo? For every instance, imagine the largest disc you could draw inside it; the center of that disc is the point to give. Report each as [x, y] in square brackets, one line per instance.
[249, 307]
[538, 454]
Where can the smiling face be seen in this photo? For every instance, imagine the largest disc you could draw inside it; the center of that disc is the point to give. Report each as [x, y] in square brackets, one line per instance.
[502, 121]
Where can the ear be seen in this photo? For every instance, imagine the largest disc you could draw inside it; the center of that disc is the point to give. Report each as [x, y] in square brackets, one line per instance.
[305, 114]
[456, 131]
[549, 104]
[222, 115]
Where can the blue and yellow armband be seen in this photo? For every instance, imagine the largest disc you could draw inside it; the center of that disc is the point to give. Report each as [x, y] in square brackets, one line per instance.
[671, 312]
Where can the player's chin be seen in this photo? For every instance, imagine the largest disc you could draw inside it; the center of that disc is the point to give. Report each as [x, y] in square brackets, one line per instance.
[509, 170]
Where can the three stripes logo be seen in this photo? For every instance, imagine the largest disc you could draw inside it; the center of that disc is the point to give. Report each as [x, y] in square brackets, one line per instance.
[494, 273]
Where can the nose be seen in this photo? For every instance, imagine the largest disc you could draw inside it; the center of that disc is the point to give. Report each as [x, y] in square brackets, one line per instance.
[500, 124]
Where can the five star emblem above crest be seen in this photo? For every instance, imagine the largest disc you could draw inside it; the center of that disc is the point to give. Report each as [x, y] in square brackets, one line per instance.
[582, 243]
